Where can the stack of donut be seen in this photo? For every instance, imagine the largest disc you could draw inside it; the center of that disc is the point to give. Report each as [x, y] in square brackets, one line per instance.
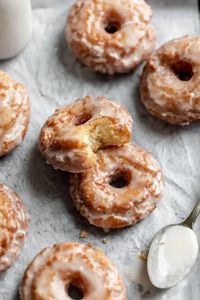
[115, 184]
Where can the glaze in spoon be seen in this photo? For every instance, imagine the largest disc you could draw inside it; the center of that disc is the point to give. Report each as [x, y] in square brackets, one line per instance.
[173, 252]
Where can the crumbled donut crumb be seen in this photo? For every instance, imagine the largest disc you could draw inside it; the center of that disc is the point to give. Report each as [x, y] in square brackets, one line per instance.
[83, 234]
[105, 241]
[90, 245]
[142, 255]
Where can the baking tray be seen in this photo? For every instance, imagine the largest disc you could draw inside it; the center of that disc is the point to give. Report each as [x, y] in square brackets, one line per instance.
[54, 78]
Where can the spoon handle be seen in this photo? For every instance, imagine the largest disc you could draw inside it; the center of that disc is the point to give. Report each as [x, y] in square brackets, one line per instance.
[191, 219]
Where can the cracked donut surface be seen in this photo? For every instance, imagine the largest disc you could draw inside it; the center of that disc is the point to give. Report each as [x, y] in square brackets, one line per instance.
[170, 81]
[14, 221]
[14, 113]
[122, 188]
[55, 268]
[110, 36]
[72, 136]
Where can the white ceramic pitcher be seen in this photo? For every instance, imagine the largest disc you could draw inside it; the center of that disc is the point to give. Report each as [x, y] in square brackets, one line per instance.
[15, 26]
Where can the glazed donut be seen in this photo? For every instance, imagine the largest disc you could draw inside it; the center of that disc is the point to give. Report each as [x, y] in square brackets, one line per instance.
[122, 188]
[71, 137]
[14, 113]
[170, 81]
[14, 221]
[55, 269]
[110, 36]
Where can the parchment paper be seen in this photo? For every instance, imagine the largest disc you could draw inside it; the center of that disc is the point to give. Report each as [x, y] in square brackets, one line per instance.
[54, 78]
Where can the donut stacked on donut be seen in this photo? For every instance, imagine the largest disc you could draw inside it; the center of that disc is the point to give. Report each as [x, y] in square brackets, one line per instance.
[14, 221]
[54, 270]
[122, 188]
[110, 36]
[14, 113]
[115, 183]
[170, 81]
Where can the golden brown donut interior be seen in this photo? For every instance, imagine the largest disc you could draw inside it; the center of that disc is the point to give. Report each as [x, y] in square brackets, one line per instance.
[92, 136]
[104, 132]
[100, 132]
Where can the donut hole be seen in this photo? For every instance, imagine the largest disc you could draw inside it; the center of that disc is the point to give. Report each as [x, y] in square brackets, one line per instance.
[113, 22]
[120, 179]
[74, 292]
[112, 27]
[76, 288]
[82, 119]
[183, 70]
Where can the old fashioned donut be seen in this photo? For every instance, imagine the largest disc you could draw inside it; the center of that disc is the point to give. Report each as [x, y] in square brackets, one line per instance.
[110, 36]
[14, 113]
[71, 137]
[122, 188]
[14, 221]
[54, 270]
[170, 81]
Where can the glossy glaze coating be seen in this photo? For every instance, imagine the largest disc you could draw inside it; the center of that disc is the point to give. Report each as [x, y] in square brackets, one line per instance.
[14, 113]
[110, 36]
[54, 269]
[14, 221]
[71, 137]
[170, 81]
[110, 207]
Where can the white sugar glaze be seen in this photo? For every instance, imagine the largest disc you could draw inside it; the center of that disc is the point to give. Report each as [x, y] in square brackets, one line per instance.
[172, 255]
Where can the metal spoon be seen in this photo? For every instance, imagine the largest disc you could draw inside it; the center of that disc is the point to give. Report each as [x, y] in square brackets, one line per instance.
[173, 252]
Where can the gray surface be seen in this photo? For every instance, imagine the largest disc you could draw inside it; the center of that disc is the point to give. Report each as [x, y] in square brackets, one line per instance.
[54, 78]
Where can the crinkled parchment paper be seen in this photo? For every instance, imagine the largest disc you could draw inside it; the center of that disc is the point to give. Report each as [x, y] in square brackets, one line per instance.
[54, 78]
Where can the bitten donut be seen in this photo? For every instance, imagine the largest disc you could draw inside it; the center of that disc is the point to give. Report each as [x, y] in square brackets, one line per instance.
[14, 221]
[122, 188]
[110, 36]
[55, 270]
[14, 113]
[171, 79]
[71, 137]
